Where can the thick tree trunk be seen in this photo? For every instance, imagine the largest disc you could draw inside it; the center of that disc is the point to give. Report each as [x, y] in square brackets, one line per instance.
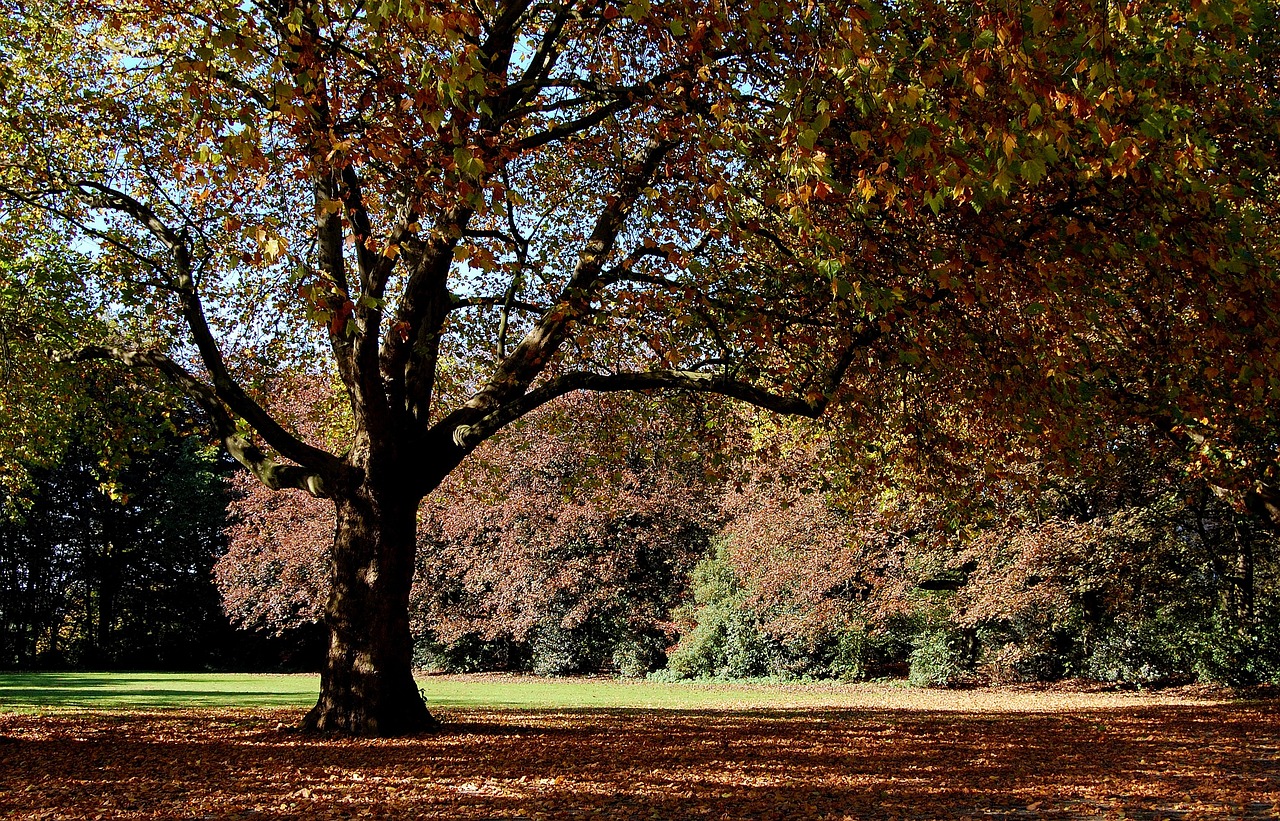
[367, 686]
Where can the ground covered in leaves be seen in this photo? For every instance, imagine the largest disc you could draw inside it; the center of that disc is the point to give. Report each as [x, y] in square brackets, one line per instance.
[1001, 756]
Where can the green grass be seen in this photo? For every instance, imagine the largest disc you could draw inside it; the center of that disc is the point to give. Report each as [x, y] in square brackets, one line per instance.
[41, 692]
[529, 692]
[123, 691]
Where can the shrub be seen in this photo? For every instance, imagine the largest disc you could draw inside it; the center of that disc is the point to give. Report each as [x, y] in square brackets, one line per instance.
[637, 656]
[469, 654]
[848, 655]
[556, 650]
[940, 659]
[1240, 656]
[1148, 651]
[726, 644]
[744, 652]
[700, 651]
[1026, 651]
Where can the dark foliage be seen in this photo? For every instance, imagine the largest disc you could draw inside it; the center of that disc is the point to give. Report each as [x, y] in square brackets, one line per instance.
[114, 572]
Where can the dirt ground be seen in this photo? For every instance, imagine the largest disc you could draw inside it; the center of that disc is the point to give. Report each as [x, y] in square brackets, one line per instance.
[1070, 756]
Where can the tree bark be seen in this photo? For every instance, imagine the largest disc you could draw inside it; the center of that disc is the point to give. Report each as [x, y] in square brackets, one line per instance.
[367, 686]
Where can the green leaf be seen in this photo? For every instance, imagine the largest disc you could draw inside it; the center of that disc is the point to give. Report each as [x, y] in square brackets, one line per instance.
[1152, 128]
[1041, 18]
[919, 137]
[1033, 170]
[637, 10]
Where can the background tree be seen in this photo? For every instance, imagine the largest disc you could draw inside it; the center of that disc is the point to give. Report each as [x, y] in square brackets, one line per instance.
[274, 575]
[112, 510]
[114, 570]
[572, 542]
[1140, 576]
[483, 209]
[1119, 568]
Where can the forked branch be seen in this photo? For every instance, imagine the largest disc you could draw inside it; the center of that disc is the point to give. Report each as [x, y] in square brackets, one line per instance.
[225, 388]
[267, 470]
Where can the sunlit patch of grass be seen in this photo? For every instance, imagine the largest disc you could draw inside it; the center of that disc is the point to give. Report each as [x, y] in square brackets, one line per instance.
[29, 692]
[105, 691]
[108, 691]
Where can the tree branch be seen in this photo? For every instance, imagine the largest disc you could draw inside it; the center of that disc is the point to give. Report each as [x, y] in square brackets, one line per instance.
[498, 302]
[268, 471]
[228, 390]
[626, 97]
[411, 344]
[530, 357]
[812, 405]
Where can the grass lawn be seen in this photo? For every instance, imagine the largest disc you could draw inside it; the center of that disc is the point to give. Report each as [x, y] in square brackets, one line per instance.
[125, 691]
[44, 692]
[26, 692]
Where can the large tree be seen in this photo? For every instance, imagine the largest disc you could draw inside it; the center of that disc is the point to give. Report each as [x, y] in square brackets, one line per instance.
[468, 210]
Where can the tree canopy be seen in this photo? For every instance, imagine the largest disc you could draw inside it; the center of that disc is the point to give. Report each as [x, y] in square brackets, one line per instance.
[467, 211]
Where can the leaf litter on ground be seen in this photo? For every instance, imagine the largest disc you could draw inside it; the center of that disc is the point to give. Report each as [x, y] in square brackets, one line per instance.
[861, 753]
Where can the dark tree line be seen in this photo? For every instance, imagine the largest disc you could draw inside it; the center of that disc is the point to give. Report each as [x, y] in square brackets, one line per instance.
[105, 572]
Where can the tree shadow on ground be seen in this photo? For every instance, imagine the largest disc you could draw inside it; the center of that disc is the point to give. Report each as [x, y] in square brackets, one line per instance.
[1166, 762]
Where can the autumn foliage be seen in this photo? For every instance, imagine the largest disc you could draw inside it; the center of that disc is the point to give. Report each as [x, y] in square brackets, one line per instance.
[553, 527]
[563, 549]
[561, 531]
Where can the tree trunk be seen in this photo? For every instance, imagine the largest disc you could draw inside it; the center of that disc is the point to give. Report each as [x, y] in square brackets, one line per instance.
[1244, 580]
[367, 686]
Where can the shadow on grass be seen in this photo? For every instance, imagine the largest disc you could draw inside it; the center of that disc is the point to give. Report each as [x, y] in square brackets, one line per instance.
[1147, 762]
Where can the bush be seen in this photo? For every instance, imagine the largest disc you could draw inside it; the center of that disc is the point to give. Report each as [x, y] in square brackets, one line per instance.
[726, 644]
[1014, 663]
[728, 640]
[849, 656]
[1150, 651]
[1240, 657]
[725, 641]
[1026, 651]
[637, 656]
[747, 651]
[556, 651]
[469, 654]
[940, 659]
[700, 651]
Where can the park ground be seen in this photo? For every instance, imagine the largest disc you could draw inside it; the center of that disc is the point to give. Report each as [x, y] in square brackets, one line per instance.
[217, 747]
